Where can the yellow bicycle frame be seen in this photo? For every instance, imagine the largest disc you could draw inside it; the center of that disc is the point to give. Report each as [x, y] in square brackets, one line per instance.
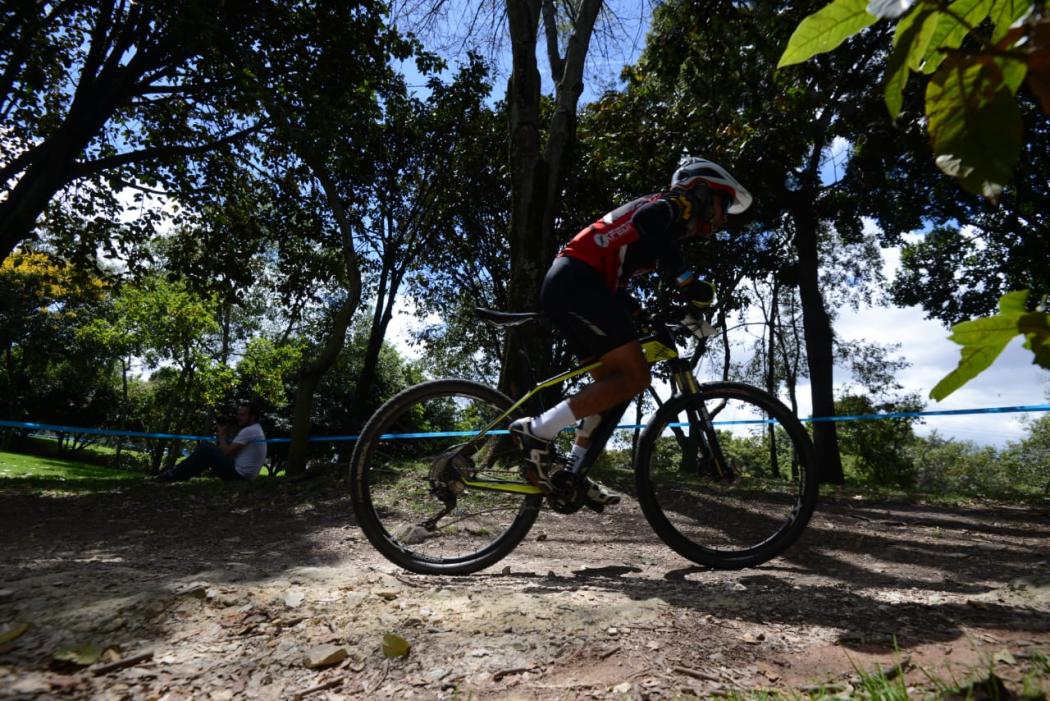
[653, 349]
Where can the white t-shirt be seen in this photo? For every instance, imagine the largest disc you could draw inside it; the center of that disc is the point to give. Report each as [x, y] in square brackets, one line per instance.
[249, 461]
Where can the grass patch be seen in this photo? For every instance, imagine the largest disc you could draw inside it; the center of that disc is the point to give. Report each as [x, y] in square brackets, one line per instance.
[40, 473]
[102, 453]
[876, 493]
[46, 473]
[18, 465]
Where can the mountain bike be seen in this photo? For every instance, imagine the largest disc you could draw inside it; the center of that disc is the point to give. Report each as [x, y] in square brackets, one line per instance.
[723, 472]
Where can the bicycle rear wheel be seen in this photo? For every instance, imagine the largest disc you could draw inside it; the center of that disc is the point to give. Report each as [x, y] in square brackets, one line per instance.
[731, 493]
[407, 474]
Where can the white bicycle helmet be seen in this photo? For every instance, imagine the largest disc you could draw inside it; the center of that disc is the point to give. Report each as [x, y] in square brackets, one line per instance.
[691, 169]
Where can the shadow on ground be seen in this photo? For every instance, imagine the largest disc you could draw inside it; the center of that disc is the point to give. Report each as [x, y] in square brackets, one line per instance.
[867, 576]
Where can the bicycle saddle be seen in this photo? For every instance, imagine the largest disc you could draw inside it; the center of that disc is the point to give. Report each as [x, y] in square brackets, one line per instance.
[504, 319]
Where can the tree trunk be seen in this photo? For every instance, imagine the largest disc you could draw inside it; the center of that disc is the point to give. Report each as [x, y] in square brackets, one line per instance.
[309, 378]
[819, 354]
[12, 382]
[312, 372]
[122, 415]
[771, 378]
[536, 180]
[225, 317]
[528, 188]
[389, 283]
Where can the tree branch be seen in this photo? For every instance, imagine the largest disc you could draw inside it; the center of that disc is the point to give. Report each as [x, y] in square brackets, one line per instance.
[86, 168]
[185, 89]
[550, 31]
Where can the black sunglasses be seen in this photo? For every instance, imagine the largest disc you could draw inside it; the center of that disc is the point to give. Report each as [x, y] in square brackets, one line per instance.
[708, 212]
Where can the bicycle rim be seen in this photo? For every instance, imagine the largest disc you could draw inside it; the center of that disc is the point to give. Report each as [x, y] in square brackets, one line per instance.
[740, 513]
[399, 480]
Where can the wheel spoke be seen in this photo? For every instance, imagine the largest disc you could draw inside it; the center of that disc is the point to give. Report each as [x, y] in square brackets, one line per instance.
[741, 515]
[410, 494]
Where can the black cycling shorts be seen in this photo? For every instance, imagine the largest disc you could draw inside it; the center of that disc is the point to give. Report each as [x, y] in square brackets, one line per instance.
[592, 319]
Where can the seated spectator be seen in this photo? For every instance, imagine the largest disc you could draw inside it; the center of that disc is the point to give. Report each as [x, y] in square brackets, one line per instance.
[239, 458]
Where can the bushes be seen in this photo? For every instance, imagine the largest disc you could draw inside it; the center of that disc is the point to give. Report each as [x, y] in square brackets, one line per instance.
[949, 466]
[878, 451]
[888, 453]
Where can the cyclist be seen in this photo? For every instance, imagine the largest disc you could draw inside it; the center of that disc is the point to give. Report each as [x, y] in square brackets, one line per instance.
[585, 295]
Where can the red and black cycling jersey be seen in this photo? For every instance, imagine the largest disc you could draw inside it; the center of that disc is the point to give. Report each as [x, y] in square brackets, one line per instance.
[638, 237]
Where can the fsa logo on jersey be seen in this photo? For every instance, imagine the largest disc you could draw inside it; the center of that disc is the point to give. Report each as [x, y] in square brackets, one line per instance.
[609, 238]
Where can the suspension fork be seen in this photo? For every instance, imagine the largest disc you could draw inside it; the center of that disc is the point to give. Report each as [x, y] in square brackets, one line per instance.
[702, 438]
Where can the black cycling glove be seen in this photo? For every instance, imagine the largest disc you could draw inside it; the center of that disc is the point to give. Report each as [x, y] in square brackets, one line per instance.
[700, 293]
[694, 202]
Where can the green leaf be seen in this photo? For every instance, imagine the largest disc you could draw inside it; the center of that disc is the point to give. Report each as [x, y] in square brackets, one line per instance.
[896, 80]
[82, 655]
[975, 124]
[1013, 302]
[921, 25]
[10, 634]
[395, 646]
[1039, 344]
[1014, 72]
[906, 37]
[982, 340]
[1036, 329]
[1004, 13]
[825, 29]
[948, 32]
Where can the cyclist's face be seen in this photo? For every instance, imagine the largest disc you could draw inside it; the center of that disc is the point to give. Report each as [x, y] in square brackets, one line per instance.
[719, 213]
[707, 222]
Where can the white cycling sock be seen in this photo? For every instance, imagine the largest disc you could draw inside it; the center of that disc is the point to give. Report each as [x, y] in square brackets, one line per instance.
[576, 457]
[549, 423]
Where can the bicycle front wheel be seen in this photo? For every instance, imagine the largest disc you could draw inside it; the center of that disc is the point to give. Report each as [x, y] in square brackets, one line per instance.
[732, 490]
[408, 476]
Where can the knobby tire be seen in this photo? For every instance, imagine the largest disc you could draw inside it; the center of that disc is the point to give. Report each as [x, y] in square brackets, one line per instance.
[727, 522]
[389, 491]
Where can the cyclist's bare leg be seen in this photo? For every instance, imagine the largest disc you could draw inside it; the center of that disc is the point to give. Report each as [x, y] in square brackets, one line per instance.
[623, 374]
[588, 423]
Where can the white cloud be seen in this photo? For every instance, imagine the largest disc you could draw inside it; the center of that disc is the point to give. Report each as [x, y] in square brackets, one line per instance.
[1012, 380]
[403, 324]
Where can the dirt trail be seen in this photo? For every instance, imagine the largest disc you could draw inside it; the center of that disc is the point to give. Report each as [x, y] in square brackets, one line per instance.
[232, 590]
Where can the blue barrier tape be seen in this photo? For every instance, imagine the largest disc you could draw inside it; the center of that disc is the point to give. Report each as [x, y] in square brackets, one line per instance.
[54, 428]
[943, 412]
[458, 434]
